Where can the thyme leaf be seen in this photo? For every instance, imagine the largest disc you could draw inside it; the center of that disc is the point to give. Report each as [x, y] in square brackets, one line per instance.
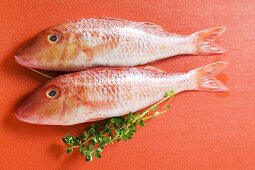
[95, 138]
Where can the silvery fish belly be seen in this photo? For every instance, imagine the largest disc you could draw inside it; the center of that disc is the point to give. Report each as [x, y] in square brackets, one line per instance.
[75, 46]
[107, 92]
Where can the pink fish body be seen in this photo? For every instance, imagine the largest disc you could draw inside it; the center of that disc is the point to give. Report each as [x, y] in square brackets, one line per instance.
[101, 93]
[75, 46]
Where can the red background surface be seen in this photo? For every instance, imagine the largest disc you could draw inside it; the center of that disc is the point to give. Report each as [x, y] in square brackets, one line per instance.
[202, 130]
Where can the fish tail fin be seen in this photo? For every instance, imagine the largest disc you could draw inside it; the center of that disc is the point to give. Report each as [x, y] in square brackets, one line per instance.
[204, 78]
[205, 41]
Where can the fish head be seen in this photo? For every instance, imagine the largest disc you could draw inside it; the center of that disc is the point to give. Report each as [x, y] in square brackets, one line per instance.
[51, 49]
[52, 103]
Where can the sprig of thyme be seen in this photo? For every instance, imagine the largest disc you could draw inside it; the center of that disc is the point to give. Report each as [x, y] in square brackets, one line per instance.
[94, 138]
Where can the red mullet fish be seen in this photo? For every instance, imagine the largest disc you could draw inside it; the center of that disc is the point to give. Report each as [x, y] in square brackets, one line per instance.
[75, 46]
[100, 93]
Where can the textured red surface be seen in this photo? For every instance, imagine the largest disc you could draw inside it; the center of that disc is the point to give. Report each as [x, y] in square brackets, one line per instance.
[202, 130]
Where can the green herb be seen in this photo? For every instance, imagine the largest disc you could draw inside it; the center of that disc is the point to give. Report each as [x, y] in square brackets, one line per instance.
[94, 138]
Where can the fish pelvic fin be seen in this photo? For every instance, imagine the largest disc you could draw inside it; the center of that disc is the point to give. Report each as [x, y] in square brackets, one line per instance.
[205, 41]
[204, 78]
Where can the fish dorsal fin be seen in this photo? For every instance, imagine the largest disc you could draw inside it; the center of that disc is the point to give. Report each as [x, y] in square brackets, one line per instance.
[153, 69]
[113, 19]
[107, 69]
[150, 68]
[153, 28]
[146, 26]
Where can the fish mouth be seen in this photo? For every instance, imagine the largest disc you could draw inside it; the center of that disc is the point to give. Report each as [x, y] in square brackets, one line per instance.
[22, 62]
[28, 64]
[25, 118]
[25, 114]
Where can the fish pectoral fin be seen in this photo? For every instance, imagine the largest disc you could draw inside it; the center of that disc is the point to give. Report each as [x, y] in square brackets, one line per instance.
[154, 69]
[108, 45]
[89, 53]
[98, 105]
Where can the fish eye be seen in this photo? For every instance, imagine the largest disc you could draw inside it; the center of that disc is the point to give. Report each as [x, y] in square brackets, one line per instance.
[52, 93]
[53, 38]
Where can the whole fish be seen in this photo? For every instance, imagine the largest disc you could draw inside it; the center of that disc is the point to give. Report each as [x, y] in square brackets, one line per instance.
[75, 46]
[101, 93]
